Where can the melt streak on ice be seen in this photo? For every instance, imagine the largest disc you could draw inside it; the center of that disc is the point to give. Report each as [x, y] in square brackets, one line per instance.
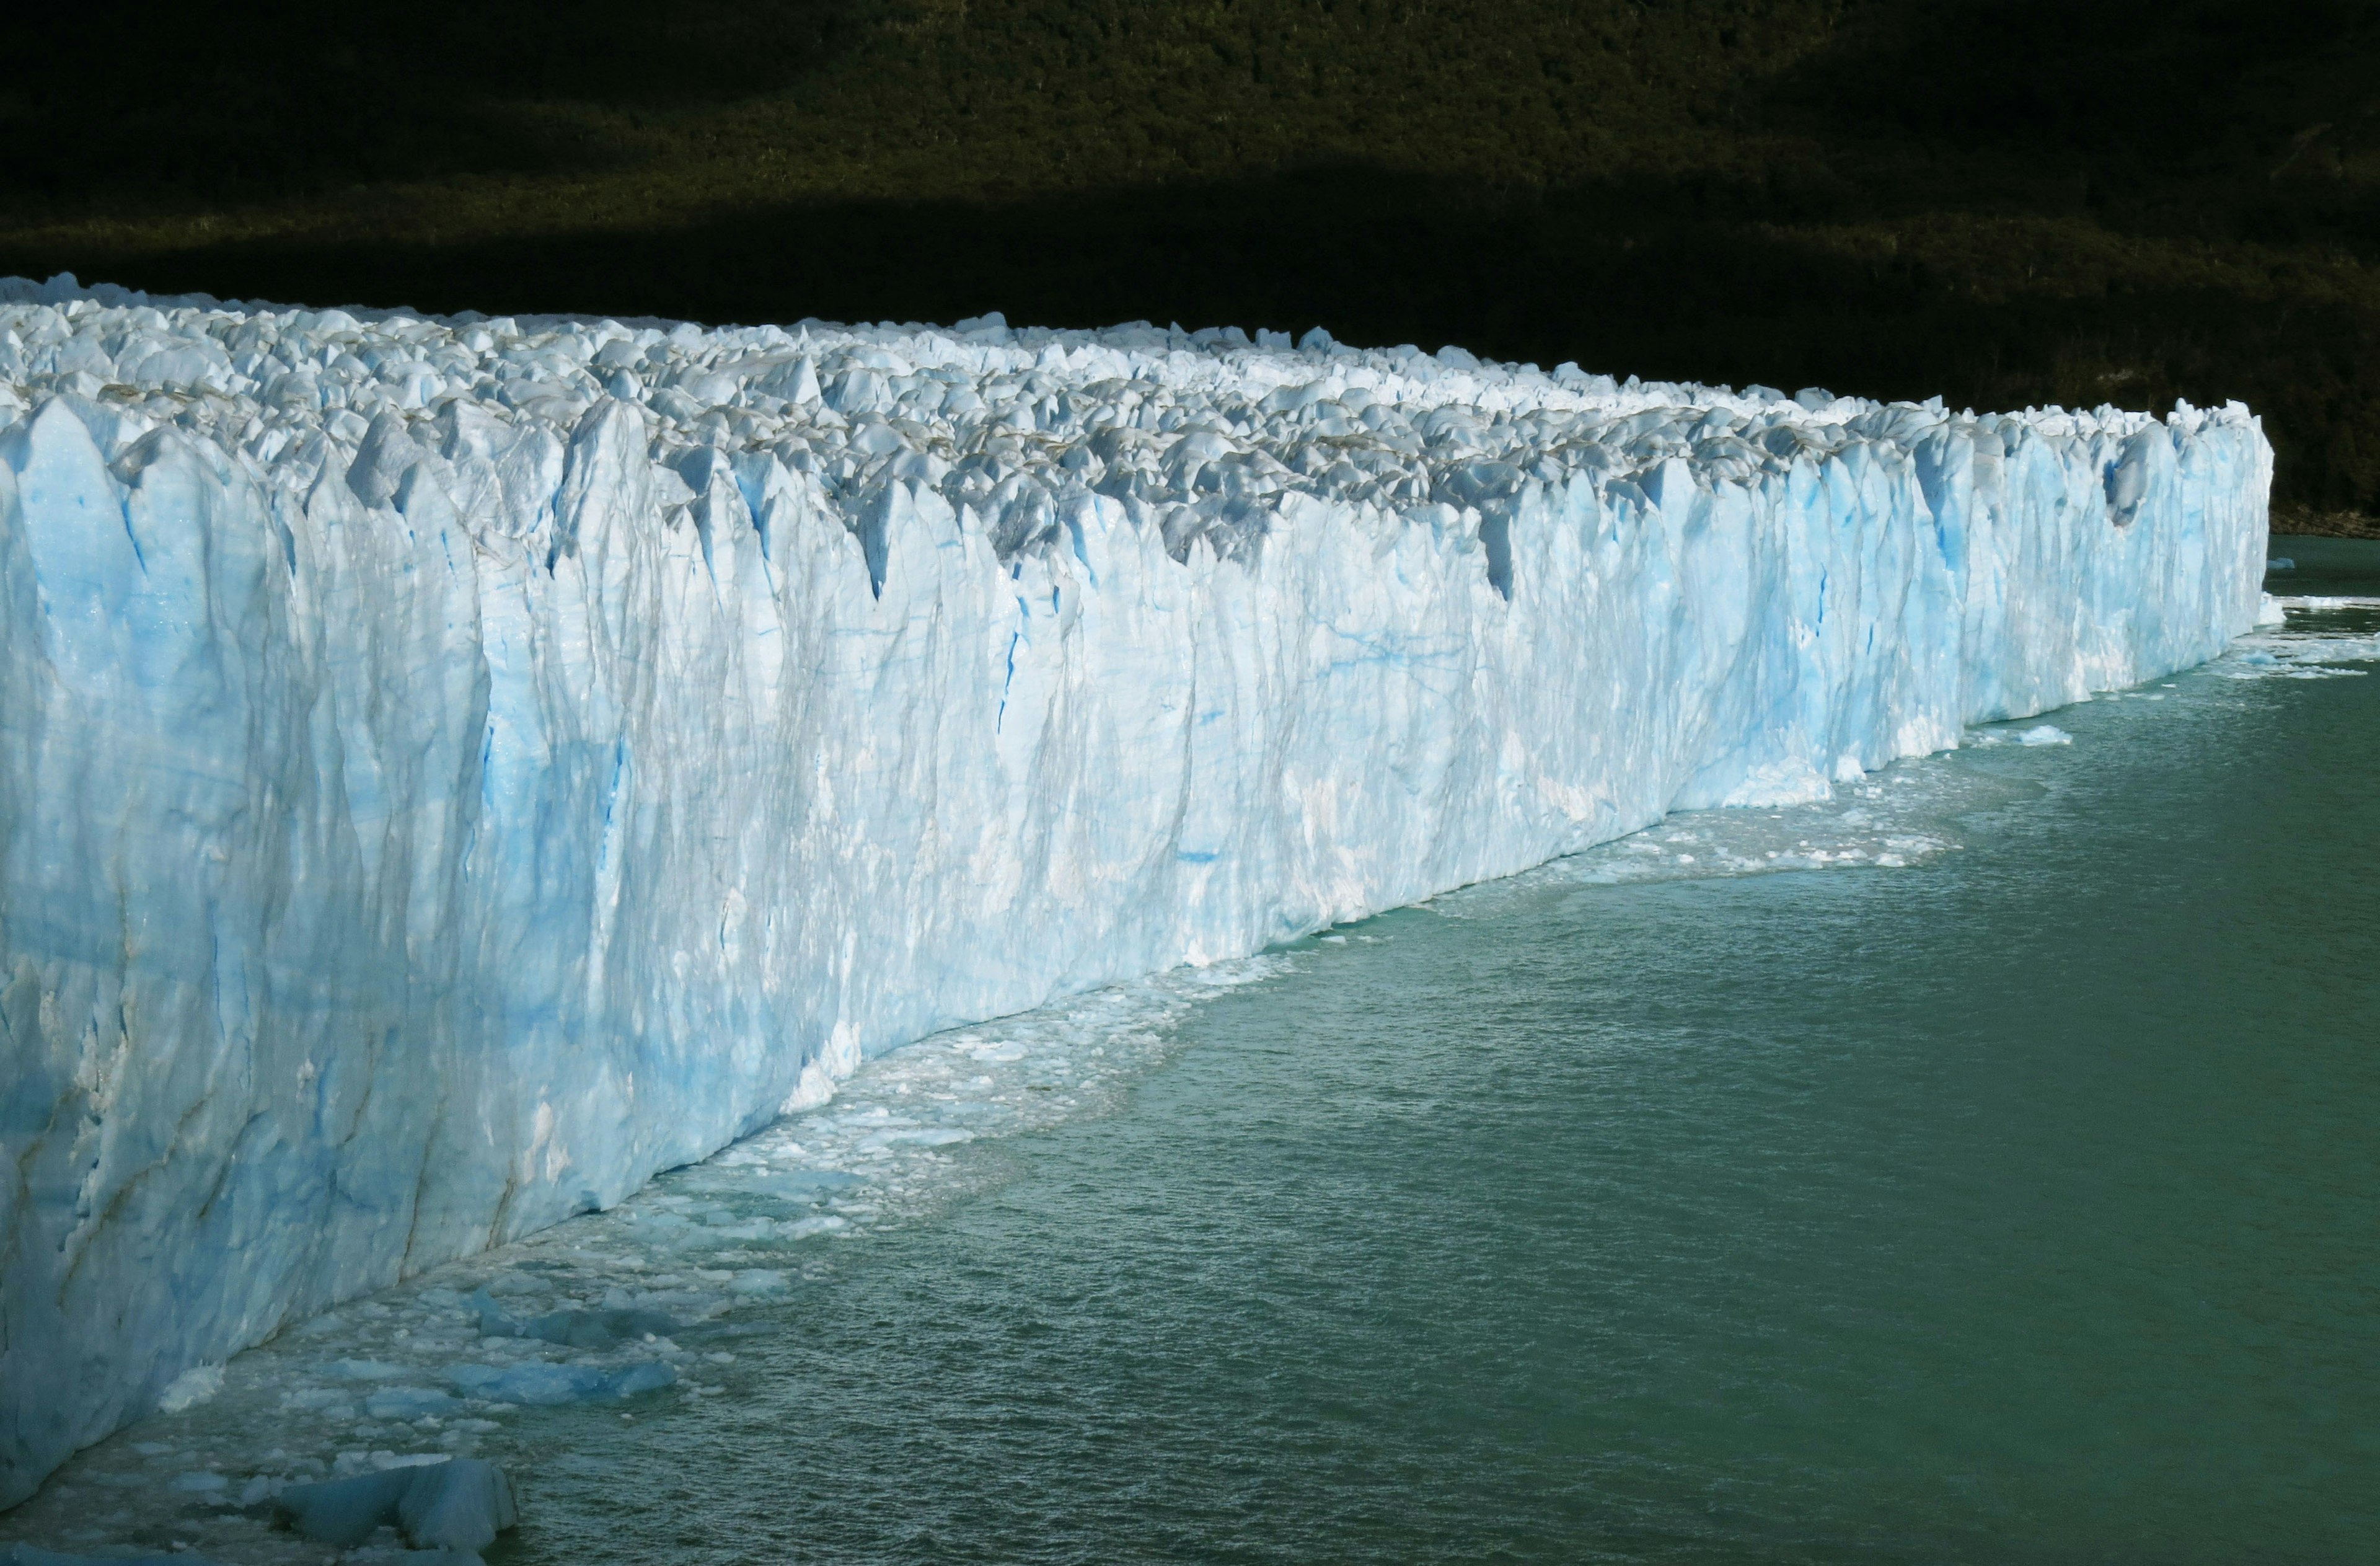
[452, 770]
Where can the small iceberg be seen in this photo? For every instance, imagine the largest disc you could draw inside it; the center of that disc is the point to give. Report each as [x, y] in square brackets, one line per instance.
[460, 1505]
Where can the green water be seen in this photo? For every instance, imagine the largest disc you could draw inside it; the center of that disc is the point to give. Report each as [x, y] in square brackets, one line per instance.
[2019, 1205]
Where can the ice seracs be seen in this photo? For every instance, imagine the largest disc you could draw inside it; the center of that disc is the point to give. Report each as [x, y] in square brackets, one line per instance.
[450, 769]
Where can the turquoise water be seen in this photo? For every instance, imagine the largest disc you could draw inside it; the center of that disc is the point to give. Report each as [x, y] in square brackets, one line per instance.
[2017, 1202]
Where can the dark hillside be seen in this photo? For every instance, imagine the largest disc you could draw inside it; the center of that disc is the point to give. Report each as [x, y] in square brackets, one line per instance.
[2012, 202]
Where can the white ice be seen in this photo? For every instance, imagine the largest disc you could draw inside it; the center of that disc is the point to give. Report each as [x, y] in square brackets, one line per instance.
[451, 770]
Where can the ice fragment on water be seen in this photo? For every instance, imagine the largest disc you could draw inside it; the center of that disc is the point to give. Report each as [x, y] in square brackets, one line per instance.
[362, 1369]
[758, 1281]
[407, 1403]
[547, 1386]
[446, 1503]
[191, 1388]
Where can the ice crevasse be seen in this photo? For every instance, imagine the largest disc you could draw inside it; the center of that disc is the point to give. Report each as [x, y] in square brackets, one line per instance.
[451, 769]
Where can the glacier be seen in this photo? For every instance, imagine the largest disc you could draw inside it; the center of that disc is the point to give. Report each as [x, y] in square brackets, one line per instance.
[452, 768]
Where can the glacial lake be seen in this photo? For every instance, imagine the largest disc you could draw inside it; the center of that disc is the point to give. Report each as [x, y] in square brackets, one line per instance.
[1980, 1167]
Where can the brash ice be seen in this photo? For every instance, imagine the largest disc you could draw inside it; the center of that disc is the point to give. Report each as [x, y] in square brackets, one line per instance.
[454, 769]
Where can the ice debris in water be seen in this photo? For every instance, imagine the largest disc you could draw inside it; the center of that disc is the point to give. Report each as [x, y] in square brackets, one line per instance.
[1891, 821]
[459, 1505]
[2308, 637]
[362, 1369]
[537, 752]
[407, 1403]
[546, 1385]
[191, 1388]
[574, 1329]
[2039, 734]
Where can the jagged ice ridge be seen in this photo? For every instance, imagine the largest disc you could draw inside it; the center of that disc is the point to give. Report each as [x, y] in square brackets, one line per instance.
[453, 769]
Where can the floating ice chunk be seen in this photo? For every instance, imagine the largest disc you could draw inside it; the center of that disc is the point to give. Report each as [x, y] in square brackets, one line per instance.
[550, 1386]
[758, 1281]
[461, 1505]
[574, 1329]
[510, 1283]
[191, 1388]
[455, 1505]
[315, 1397]
[493, 1319]
[2045, 734]
[915, 1137]
[407, 1403]
[363, 1369]
[199, 1481]
[650, 1377]
[601, 1329]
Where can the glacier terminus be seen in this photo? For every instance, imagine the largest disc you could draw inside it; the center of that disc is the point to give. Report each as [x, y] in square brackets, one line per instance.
[454, 769]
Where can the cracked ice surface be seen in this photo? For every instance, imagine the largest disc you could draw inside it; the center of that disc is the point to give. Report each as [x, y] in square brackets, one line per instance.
[451, 770]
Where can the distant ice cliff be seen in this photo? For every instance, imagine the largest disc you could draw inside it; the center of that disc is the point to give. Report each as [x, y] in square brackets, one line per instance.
[451, 770]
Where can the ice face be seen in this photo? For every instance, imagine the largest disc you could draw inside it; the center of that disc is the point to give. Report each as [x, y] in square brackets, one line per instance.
[451, 770]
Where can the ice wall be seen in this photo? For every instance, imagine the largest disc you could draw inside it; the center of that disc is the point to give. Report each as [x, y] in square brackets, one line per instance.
[450, 771]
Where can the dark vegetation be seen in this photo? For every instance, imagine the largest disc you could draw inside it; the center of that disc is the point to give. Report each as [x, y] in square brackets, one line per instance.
[2012, 202]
